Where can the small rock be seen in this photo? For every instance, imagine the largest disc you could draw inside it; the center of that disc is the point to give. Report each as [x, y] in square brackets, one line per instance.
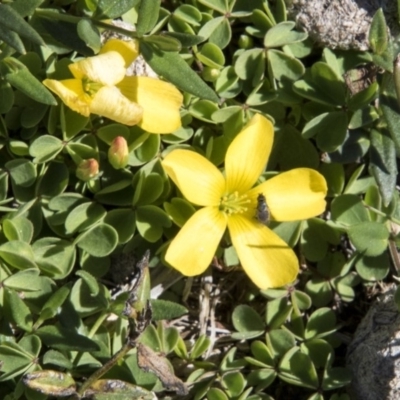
[342, 24]
[374, 354]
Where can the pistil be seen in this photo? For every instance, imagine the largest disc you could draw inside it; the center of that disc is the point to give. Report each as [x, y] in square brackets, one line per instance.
[90, 87]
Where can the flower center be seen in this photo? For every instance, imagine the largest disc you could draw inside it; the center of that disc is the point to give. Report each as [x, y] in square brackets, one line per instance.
[234, 203]
[90, 87]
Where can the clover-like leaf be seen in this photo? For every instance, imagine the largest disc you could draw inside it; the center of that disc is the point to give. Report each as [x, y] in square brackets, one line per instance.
[84, 216]
[18, 254]
[247, 321]
[189, 14]
[234, 383]
[320, 291]
[19, 228]
[316, 238]
[283, 34]
[45, 148]
[201, 345]
[149, 187]
[99, 241]
[150, 221]
[369, 238]
[373, 268]
[23, 172]
[261, 353]
[319, 351]
[24, 280]
[330, 128]
[88, 298]
[250, 65]
[216, 394]
[123, 221]
[299, 370]
[349, 210]
[17, 358]
[261, 378]
[147, 16]
[301, 300]
[211, 55]
[284, 66]
[54, 256]
[280, 341]
[335, 378]
[89, 33]
[322, 322]
[203, 110]
[277, 312]
[54, 180]
[51, 307]
[72, 123]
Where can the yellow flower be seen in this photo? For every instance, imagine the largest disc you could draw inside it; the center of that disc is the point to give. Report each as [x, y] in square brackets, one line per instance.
[230, 200]
[100, 87]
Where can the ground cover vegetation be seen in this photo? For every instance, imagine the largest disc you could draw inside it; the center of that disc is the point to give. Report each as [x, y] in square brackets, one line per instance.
[196, 200]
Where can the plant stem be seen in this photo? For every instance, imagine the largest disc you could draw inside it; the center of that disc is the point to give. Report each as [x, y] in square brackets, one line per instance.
[394, 255]
[376, 211]
[129, 345]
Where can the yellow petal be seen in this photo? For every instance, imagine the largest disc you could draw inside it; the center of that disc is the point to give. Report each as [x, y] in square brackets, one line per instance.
[128, 50]
[198, 179]
[294, 195]
[248, 154]
[109, 102]
[71, 93]
[266, 258]
[160, 100]
[107, 69]
[192, 250]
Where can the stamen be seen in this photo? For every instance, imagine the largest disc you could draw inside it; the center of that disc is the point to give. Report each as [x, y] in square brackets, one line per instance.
[234, 203]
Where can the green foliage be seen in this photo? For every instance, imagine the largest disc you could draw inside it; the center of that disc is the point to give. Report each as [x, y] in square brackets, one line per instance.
[19, 76]
[14, 26]
[67, 212]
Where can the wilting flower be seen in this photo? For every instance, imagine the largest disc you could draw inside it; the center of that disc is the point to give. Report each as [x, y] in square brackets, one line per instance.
[118, 153]
[87, 169]
[230, 200]
[100, 87]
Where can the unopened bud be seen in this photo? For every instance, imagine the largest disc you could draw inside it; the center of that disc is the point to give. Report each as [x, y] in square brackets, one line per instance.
[87, 169]
[246, 42]
[118, 153]
[210, 74]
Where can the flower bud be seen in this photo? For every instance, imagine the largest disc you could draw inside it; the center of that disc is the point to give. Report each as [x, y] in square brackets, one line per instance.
[118, 153]
[246, 42]
[87, 169]
[210, 74]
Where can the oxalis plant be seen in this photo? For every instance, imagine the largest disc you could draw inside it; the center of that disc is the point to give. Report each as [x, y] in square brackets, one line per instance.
[207, 148]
